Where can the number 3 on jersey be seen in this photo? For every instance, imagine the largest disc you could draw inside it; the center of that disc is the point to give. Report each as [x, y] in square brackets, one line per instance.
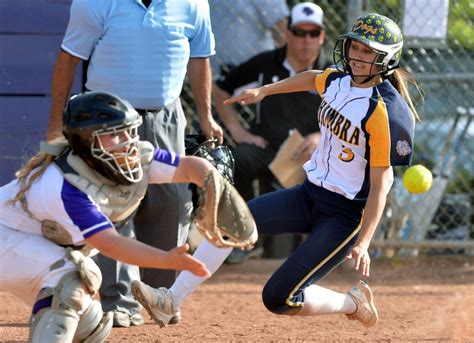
[346, 155]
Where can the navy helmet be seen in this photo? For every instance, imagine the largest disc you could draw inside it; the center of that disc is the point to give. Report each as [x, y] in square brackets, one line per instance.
[91, 115]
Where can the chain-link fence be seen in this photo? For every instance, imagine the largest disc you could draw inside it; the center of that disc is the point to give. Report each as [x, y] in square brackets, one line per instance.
[439, 49]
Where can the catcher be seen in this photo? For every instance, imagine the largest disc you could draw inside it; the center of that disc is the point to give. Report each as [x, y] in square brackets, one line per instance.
[67, 202]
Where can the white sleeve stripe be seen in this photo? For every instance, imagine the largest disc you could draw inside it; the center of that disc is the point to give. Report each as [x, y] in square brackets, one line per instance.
[85, 231]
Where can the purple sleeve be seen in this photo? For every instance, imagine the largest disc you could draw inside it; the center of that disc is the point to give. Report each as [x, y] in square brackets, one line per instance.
[84, 213]
[163, 167]
[166, 157]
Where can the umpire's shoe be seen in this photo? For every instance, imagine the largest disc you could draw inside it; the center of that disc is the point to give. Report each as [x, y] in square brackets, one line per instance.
[366, 312]
[124, 320]
[157, 302]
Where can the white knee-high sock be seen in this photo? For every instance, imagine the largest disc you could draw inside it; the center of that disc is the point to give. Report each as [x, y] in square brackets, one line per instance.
[319, 300]
[187, 282]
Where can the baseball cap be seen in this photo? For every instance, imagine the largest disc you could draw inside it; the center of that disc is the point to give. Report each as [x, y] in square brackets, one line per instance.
[306, 13]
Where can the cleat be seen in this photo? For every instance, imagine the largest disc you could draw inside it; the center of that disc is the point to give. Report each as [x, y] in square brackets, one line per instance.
[366, 312]
[121, 319]
[157, 301]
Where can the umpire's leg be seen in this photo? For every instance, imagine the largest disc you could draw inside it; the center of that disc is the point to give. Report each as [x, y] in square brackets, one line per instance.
[163, 219]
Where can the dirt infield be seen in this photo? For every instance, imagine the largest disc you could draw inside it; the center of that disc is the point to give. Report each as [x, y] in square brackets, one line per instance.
[424, 299]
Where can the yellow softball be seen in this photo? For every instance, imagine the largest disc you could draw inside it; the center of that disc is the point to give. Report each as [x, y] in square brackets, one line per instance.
[417, 179]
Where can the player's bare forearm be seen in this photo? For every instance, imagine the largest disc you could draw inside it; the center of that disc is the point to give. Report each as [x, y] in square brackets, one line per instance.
[381, 179]
[62, 79]
[192, 169]
[373, 212]
[131, 251]
[301, 82]
[111, 244]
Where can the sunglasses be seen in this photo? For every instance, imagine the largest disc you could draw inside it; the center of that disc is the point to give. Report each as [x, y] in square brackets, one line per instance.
[302, 33]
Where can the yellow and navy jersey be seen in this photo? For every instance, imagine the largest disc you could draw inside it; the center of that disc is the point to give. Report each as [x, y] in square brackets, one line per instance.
[360, 128]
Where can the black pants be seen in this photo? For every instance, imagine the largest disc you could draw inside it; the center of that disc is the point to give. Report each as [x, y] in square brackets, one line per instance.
[251, 162]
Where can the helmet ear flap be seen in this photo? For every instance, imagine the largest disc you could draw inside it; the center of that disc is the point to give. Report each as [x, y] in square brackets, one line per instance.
[340, 55]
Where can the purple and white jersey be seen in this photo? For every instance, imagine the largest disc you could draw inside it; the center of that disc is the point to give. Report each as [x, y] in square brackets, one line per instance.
[51, 197]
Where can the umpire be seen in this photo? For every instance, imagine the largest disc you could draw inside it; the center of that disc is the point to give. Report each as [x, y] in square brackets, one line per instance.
[141, 51]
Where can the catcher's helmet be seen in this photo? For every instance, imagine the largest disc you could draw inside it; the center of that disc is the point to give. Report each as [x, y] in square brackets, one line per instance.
[89, 116]
[379, 33]
[220, 156]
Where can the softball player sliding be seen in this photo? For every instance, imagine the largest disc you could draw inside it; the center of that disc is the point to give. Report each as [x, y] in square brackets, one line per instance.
[67, 200]
[367, 124]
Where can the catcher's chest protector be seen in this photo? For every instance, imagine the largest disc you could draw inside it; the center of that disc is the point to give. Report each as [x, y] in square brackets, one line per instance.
[117, 202]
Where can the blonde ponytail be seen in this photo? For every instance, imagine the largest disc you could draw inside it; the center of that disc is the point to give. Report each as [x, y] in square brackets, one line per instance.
[401, 79]
[38, 164]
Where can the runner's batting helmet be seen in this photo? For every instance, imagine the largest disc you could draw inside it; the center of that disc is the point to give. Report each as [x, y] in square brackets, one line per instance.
[379, 33]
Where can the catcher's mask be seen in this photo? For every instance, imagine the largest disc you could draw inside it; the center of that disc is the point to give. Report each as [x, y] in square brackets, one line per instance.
[379, 33]
[91, 118]
[220, 156]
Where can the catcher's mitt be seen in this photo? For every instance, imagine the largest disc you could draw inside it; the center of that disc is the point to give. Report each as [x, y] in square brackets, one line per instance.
[223, 217]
